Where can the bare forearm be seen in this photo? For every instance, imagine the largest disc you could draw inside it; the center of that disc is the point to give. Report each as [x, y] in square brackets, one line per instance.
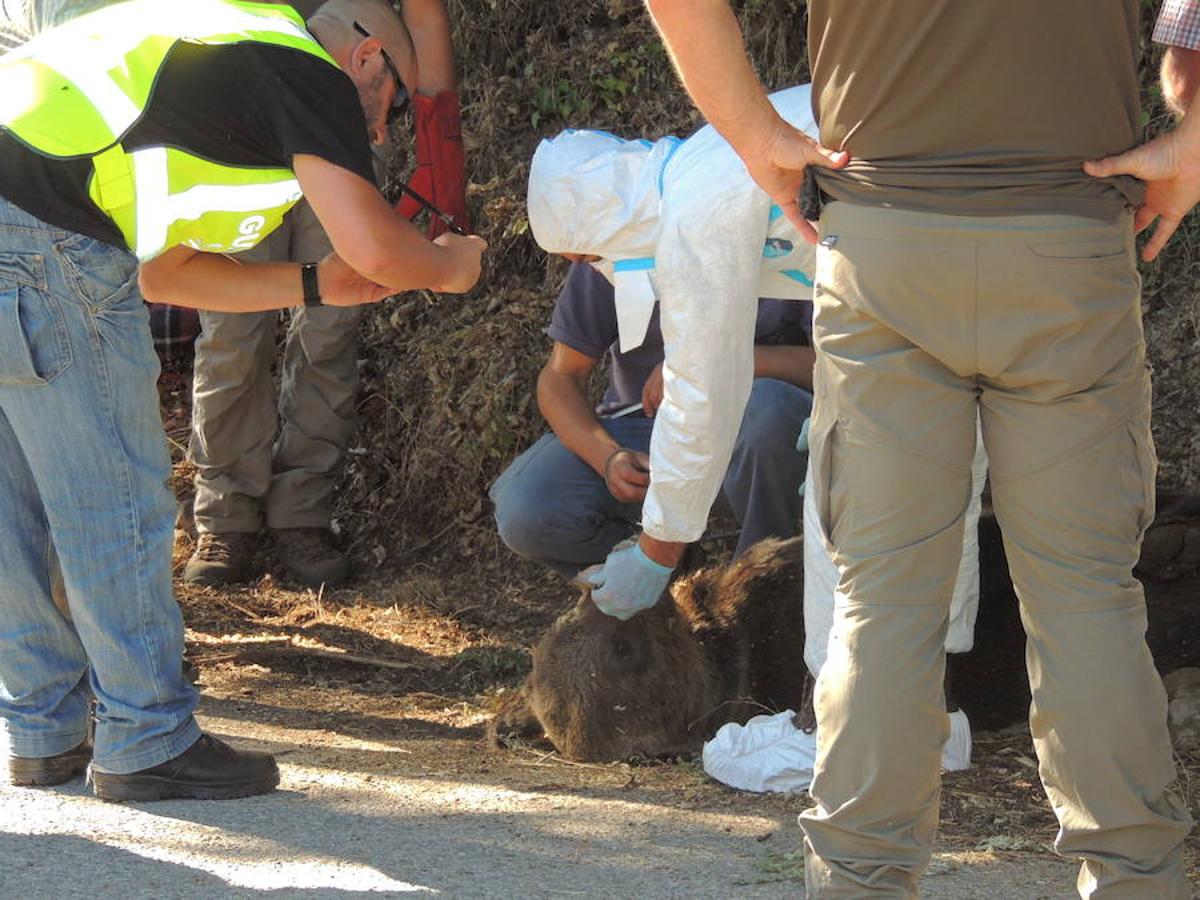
[222, 284]
[785, 362]
[705, 42]
[368, 234]
[565, 405]
[405, 260]
[429, 25]
[665, 553]
[1180, 76]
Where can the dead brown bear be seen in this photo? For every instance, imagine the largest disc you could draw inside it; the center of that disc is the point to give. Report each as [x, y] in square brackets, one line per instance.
[724, 644]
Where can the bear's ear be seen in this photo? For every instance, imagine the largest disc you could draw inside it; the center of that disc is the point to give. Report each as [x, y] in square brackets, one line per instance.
[770, 567]
[695, 597]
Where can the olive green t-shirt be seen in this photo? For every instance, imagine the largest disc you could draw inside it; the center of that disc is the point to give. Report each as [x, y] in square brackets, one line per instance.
[977, 107]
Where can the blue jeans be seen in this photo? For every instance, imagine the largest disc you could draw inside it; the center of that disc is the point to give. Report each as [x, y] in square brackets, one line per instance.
[552, 507]
[83, 469]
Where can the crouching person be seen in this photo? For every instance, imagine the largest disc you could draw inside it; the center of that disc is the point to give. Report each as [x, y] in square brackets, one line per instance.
[571, 497]
[682, 229]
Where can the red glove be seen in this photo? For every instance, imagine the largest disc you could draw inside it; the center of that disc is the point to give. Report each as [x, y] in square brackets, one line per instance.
[441, 173]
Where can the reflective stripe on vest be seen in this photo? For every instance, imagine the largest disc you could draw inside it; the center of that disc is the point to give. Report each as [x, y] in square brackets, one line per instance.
[183, 199]
[77, 91]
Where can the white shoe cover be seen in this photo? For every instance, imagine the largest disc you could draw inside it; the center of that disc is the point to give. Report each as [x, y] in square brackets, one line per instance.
[956, 755]
[767, 754]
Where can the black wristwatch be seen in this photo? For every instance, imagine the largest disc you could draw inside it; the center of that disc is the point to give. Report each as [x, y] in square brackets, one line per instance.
[308, 279]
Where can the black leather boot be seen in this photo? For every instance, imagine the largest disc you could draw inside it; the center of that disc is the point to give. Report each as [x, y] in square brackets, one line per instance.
[208, 770]
[47, 770]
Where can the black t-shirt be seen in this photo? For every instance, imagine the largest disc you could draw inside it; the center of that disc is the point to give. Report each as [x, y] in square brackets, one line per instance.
[245, 104]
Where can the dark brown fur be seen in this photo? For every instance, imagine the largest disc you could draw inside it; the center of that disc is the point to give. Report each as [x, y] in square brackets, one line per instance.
[724, 644]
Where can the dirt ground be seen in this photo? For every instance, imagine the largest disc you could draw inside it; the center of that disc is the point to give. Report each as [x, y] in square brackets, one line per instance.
[410, 666]
[408, 814]
[411, 659]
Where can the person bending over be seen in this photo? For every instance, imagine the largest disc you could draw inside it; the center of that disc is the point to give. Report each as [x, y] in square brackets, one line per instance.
[142, 146]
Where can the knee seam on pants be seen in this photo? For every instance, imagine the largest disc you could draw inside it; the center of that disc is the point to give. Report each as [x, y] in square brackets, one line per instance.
[1053, 610]
[868, 434]
[919, 602]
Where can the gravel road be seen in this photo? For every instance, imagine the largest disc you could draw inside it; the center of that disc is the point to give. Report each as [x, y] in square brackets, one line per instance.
[344, 823]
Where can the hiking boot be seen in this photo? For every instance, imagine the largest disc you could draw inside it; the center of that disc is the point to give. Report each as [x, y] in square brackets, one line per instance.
[47, 770]
[310, 557]
[221, 557]
[208, 770]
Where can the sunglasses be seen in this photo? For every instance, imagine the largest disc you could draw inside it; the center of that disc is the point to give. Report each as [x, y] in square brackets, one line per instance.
[400, 101]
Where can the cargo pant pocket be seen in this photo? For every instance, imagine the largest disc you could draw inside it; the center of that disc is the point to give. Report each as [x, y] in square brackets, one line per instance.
[1145, 471]
[821, 439]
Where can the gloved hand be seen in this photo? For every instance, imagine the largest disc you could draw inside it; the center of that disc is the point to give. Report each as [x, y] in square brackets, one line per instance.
[441, 174]
[629, 582]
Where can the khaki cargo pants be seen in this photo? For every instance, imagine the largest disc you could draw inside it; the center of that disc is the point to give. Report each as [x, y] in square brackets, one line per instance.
[254, 455]
[921, 321]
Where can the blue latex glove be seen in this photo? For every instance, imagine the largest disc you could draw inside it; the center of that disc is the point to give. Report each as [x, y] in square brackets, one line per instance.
[629, 582]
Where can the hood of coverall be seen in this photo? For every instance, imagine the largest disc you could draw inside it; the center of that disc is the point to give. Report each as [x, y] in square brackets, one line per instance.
[593, 193]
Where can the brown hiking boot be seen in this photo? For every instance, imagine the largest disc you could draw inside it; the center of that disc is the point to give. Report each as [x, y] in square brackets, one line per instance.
[221, 557]
[310, 557]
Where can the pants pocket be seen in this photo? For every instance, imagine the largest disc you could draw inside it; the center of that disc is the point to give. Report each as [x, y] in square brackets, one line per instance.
[1145, 472]
[34, 345]
[100, 275]
[821, 438]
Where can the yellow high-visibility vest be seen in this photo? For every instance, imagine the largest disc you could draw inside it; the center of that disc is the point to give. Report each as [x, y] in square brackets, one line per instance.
[78, 90]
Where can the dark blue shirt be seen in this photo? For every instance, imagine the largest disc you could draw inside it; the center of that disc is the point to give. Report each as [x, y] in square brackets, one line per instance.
[585, 319]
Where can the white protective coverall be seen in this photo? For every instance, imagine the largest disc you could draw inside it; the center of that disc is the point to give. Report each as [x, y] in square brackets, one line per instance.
[681, 222]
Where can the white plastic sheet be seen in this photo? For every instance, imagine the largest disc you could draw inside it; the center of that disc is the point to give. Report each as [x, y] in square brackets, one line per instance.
[766, 755]
[956, 754]
[771, 755]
